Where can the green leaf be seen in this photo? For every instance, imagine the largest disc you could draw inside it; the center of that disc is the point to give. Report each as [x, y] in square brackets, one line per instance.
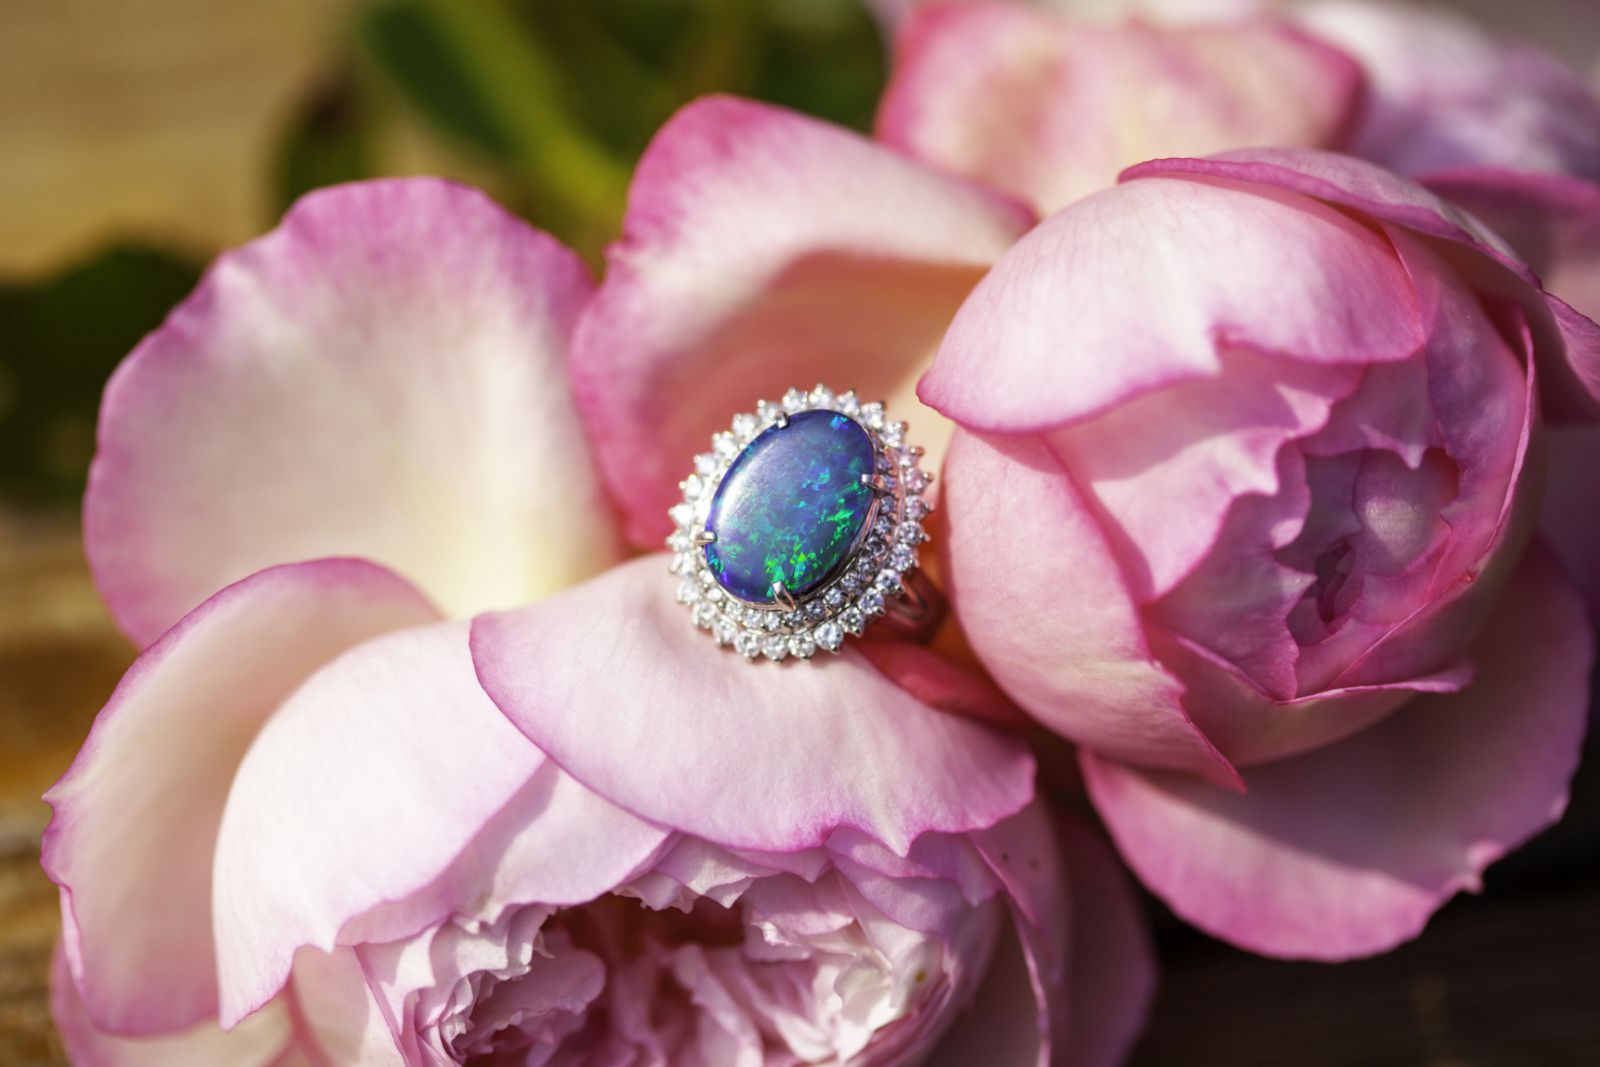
[62, 338]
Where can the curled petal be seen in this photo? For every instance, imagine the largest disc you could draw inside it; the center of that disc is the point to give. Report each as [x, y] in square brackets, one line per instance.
[1347, 850]
[1562, 337]
[391, 744]
[137, 814]
[763, 250]
[613, 682]
[1553, 222]
[266, 1038]
[1444, 93]
[1178, 270]
[1058, 628]
[382, 376]
[1051, 108]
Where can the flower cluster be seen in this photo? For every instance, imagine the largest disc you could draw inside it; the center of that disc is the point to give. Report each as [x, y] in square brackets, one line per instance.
[1254, 361]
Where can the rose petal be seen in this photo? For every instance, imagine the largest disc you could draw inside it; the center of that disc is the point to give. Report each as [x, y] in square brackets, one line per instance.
[1489, 265]
[382, 376]
[764, 250]
[265, 1038]
[1050, 108]
[1057, 628]
[386, 762]
[1139, 287]
[335, 1010]
[1553, 223]
[1349, 849]
[555, 842]
[1167, 466]
[136, 815]
[1442, 92]
[1111, 975]
[612, 680]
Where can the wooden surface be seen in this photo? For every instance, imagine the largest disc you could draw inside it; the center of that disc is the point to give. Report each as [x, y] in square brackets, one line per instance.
[1509, 978]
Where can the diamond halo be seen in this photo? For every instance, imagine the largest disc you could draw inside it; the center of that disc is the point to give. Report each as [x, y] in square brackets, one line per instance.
[874, 577]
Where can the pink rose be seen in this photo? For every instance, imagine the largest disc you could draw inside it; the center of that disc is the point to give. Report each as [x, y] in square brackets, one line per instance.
[1252, 454]
[1050, 107]
[327, 818]
[1443, 92]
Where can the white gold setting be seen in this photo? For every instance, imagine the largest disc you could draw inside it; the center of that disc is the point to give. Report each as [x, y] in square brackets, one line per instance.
[875, 578]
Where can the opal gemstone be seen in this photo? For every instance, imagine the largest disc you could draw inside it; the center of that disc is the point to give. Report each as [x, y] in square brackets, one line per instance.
[791, 506]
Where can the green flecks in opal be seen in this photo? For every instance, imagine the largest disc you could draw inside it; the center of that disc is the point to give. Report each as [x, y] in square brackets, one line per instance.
[791, 506]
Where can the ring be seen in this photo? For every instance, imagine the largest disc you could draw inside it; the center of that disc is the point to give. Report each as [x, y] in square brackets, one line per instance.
[801, 526]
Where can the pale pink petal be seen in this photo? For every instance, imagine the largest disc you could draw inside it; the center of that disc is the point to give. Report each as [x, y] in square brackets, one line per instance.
[1050, 107]
[1481, 257]
[1443, 92]
[1141, 286]
[1111, 975]
[137, 813]
[261, 1040]
[614, 682]
[337, 1012]
[1553, 223]
[1348, 850]
[554, 842]
[386, 762]
[764, 250]
[381, 376]
[1569, 520]
[1049, 613]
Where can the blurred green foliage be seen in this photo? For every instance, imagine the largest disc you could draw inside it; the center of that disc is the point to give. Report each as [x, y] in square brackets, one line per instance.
[61, 340]
[554, 100]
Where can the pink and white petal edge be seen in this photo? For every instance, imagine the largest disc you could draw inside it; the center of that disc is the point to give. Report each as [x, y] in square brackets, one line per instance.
[383, 375]
[1348, 850]
[392, 742]
[136, 815]
[763, 250]
[266, 1039]
[616, 685]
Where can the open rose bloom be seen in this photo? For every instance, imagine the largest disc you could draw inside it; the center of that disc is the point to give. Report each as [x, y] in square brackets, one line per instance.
[329, 818]
[1250, 520]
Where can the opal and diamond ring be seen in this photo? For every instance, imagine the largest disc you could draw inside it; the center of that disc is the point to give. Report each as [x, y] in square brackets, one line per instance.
[801, 526]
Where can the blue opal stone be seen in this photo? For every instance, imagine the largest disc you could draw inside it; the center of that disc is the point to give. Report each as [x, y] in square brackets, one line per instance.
[791, 506]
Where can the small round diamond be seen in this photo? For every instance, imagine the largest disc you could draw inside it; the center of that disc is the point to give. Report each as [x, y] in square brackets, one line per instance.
[744, 425]
[917, 508]
[802, 646]
[830, 635]
[852, 620]
[748, 644]
[724, 630]
[871, 602]
[903, 558]
[704, 616]
[917, 479]
[833, 599]
[872, 415]
[705, 464]
[775, 647]
[910, 534]
[682, 513]
[793, 401]
[688, 591]
[888, 583]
